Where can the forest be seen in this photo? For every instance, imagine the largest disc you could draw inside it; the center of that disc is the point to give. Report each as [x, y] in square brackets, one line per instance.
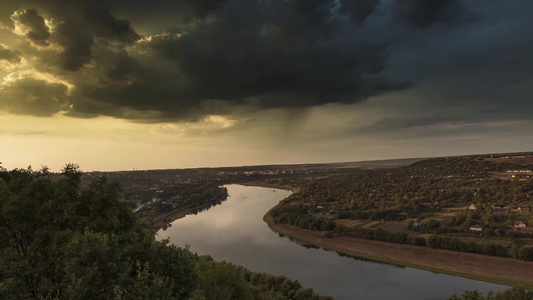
[60, 239]
[448, 203]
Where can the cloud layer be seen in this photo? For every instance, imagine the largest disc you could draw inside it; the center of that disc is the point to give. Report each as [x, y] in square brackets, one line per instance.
[218, 55]
[152, 61]
[422, 14]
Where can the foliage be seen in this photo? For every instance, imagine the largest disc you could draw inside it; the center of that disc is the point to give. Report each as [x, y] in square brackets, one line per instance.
[426, 186]
[374, 234]
[508, 294]
[221, 281]
[176, 197]
[453, 244]
[419, 190]
[62, 241]
[59, 240]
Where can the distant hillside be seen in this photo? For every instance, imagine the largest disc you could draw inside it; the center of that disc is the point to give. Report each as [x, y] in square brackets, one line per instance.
[456, 200]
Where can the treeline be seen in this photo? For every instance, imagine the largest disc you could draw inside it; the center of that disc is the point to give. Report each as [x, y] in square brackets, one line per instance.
[425, 186]
[380, 235]
[508, 294]
[410, 192]
[192, 197]
[59, 240]
[255, 285]
[453, 244]
[494, 225]
[193, 193]
[221, 280]
[293, 215]
[297, 216]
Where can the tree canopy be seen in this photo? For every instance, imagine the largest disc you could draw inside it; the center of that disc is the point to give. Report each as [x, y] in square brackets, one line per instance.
[59, 240]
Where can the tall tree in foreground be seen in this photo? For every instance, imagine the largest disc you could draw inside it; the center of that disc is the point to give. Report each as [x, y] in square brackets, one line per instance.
[59, 240]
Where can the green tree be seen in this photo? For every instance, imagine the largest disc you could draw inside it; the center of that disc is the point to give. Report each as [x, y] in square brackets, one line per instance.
[58, 240]
[221, 281]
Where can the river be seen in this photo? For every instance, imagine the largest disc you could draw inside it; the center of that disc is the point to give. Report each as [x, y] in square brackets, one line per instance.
[235, 232]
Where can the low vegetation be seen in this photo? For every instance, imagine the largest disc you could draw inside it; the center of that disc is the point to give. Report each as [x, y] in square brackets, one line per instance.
[509, 294]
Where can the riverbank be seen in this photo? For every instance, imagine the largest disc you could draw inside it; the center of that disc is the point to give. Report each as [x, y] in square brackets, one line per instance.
[165, 219]
[507, 271]
[272, 185]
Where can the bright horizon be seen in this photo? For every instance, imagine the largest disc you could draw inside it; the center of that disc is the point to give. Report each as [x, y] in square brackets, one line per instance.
[117, 85]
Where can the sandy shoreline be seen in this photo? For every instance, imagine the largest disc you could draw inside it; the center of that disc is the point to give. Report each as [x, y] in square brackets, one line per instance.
[494, 269]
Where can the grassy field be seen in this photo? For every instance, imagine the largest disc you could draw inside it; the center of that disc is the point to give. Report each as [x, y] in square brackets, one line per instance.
[392, 226]
[446, 214]
[503, 242]
[348, 222]
[500, 270]
[401, 226]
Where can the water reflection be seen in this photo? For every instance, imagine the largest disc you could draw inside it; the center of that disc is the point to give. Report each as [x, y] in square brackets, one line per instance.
[302, 243]
[311, 246]
[367, 260]
[235, 232]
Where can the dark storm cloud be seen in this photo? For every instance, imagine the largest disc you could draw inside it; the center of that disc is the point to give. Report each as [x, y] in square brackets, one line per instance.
[79, 25]
[202, 8]
[423, 13]
[38, 32]
[220, 54]
[272, 54]
[32, 96]
[223, 64]
[77, 42]
[8, 55]
[182, 60]
[105, 24]
[97, 16]
[124, 67]
[82, 23]
[358, 10]
[6, 10]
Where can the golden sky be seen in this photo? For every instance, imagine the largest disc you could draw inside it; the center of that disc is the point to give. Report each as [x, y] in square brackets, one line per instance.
[117, 85]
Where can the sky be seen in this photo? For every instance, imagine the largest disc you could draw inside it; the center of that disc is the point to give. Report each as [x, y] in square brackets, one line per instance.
[159, 84]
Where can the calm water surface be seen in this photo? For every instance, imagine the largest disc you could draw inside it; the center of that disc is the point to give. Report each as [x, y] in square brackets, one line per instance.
[235, 232]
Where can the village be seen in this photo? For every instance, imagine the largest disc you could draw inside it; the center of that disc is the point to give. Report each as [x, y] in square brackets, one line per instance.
[162, 196]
